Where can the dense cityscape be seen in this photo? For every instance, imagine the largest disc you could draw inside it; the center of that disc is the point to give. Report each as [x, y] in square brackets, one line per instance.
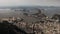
[36, 23]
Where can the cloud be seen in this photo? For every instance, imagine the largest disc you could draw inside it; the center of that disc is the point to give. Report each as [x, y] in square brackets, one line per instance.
[29, 2]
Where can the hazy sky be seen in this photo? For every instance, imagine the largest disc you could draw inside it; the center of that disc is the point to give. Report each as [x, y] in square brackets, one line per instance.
[29, 2]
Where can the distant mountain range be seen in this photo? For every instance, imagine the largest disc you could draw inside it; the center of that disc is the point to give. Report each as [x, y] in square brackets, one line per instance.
[30, 7]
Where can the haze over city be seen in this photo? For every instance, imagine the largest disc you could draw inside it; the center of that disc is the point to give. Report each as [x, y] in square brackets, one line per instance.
[29, 16]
